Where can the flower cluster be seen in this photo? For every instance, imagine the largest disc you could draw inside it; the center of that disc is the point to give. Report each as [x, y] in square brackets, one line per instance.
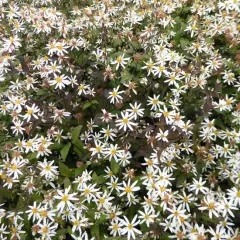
[120, 119]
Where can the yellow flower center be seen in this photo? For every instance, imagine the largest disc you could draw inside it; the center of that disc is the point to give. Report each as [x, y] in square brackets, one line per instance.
[98, 148]
[11, 39]
[161, 68]
[130, 226]
[150, 162]
[34, 210]
[150, 65]
[86, 191]
[125, 121]
[182, 219]
[45, 229]
[65, 198]
[211, 206]
[114, 94]
[30, 111]
[9, 180]
[179, 235]
[58, 79]
[48, 168]
[119, 59]
[115, 227]
[43, 213]
[14, 167]
[176, 214]
[3, 175]
[128, 189]
[228, 102]
[113, 151]
[76, 223]
[166, 114]
[20, 144]
[162, 188]
[169, 163]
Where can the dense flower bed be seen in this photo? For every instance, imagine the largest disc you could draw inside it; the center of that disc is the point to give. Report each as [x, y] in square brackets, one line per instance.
[119, 119]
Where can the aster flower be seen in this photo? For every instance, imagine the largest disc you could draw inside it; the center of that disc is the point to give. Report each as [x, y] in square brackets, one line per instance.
[65, 199]
[120, 61]
[130, 227]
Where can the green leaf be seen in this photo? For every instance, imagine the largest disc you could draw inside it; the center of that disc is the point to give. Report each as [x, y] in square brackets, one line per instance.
[165, 236]
[41, 92]
[115, 166]
[2, 138]
[64, 170]
[95, 231]
[94, 101]
[94, 176]
[127, 77]
[5, 193]
[184, 42]
[87, 105]
[27, 224]
[67, 182]
[101, 179]
[69, 230]
[180, 179]
[75, 133]
[118, 238]
[31, 156]
[208, 219]
[37, 198]
[55, 146]
[79, 144]
[21, 202]
[77, 151]
[132, 210]
[80, 170]
[64, 151]
[116, 42]
[80, 59]
[219, 123]
[209, 40]
[144, 228]
[62, 232]
[135, 44]
[90, 214]
[102, 219]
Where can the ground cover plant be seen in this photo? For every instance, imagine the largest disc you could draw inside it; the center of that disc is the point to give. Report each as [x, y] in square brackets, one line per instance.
[119, 119]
